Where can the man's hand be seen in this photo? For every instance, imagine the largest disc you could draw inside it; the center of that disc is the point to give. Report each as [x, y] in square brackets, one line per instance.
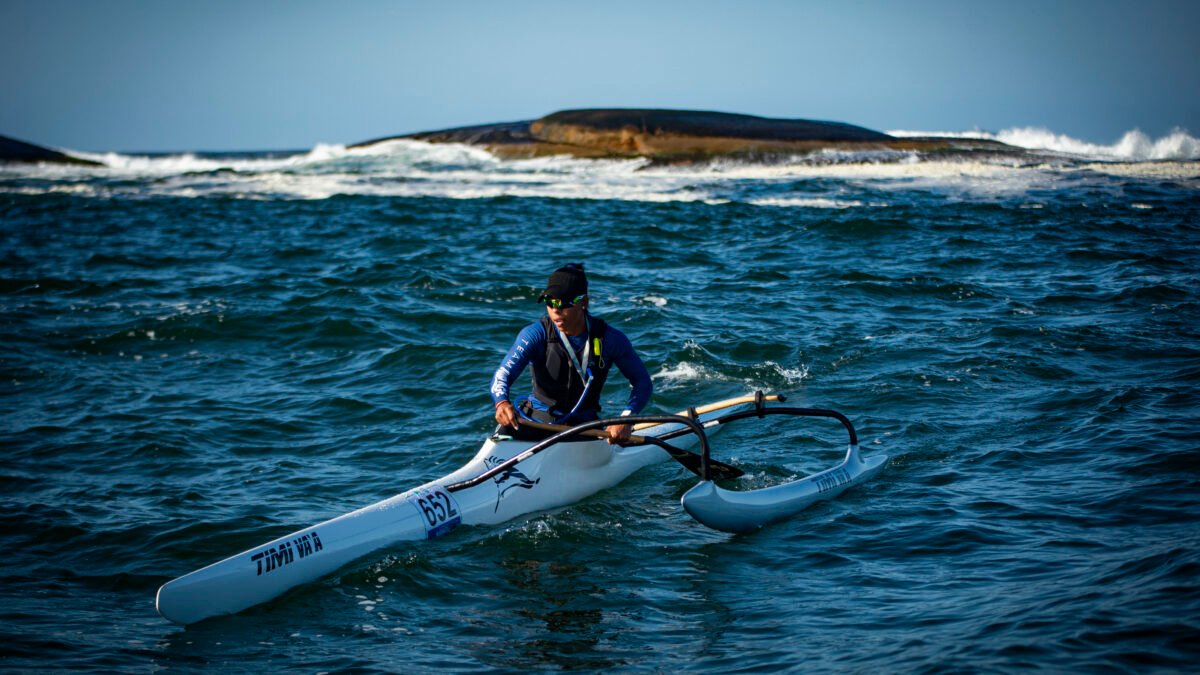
[506, 414]
[618, 433]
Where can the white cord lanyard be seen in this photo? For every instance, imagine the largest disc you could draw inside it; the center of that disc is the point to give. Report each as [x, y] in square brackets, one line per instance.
[587, 352]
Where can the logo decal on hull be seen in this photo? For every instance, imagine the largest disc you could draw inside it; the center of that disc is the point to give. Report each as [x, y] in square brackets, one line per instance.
[832, 480]
[509, 474]
[279, 555]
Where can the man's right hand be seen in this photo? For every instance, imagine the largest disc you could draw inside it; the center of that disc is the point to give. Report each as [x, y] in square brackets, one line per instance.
[506, 414]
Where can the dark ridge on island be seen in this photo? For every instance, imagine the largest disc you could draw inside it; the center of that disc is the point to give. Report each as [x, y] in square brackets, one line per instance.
[12, 150]
[683, 136]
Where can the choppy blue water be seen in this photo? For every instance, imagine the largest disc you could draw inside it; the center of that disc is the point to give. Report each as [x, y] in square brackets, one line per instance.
[203, 353]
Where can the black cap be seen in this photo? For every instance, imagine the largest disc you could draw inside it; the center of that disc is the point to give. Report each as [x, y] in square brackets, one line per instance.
[567, 283]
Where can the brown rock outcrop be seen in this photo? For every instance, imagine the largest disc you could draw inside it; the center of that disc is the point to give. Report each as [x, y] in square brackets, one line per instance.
[681, 136]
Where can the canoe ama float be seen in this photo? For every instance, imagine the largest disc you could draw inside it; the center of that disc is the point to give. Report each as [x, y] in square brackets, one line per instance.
[508, 478]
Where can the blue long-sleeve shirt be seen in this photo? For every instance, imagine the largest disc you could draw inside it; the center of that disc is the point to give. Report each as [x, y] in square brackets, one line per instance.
[531, 344]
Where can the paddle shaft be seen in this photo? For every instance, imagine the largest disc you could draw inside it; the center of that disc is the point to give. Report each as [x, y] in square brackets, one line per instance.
[690, 460]
[727, 403]
[591, 433]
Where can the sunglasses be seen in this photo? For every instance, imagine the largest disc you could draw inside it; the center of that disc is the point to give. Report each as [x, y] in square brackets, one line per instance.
[563, 304]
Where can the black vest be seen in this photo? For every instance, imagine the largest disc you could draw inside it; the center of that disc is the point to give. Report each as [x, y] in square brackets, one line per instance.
[555, 381]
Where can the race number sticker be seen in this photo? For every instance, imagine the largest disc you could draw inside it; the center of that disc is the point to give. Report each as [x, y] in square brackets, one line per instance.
[438, 510]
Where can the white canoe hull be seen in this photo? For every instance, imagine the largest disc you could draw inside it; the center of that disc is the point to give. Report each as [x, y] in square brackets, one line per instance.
[563, 474]
[733, 511]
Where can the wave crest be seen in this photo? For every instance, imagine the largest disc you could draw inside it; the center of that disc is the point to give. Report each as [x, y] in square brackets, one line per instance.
[326, 156]
[409, 168]
[1134, 146]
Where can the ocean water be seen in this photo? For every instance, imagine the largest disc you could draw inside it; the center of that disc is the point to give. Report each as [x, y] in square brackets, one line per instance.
[204, 352]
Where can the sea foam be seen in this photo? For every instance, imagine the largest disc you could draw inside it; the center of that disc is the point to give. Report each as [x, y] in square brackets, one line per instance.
[409, 168]
[1133, 146]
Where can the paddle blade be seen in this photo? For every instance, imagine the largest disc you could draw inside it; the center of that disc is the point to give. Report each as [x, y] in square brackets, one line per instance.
[694, 463]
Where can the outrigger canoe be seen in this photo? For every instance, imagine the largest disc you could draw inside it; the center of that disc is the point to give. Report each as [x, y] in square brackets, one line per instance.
[506, 479]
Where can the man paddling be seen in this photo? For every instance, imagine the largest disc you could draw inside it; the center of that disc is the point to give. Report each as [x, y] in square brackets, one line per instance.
[571, 352]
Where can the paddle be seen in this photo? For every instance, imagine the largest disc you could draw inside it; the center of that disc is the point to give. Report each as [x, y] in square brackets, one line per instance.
[689, 460]
[727, 403]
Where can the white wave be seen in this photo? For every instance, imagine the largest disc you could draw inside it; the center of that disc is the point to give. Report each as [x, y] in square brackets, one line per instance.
[409, 152]
[867, 171]
[1134, 146]
[1188, 171]
[792, 376]
[683, 372]
[461, 173]
[398, 153]
[159, 165]
[808, 202]
[406, 168]
[686, 372]
[833, 156]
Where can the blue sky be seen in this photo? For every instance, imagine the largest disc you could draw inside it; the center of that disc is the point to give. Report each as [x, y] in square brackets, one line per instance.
[217, 75]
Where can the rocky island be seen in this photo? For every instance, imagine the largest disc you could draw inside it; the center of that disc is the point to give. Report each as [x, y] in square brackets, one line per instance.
[662, 136]
[683, 136]
[12, 150]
